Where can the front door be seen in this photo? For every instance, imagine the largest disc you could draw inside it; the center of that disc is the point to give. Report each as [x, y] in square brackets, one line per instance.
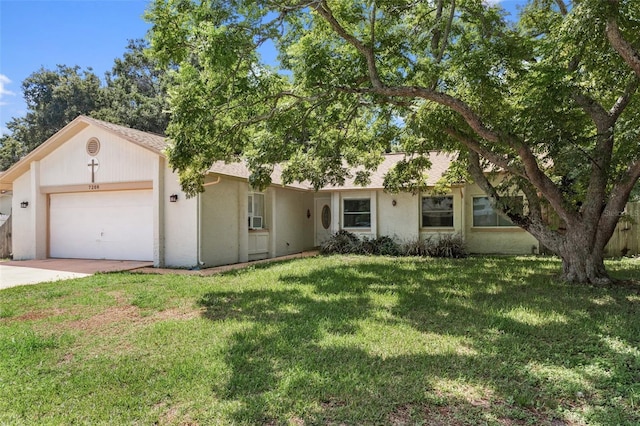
[323, 220]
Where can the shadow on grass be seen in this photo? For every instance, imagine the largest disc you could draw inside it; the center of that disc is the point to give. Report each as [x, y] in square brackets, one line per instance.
[483, 340]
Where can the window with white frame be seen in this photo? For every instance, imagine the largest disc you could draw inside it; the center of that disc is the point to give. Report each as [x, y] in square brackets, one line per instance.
[356, 213]
[485, 215]
[256, 210]
[437, 212]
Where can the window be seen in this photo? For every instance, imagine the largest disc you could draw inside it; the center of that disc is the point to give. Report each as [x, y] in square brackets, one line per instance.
[437, 211]
[326, 216]
[357, 213]
[484, 215]
[256, 211]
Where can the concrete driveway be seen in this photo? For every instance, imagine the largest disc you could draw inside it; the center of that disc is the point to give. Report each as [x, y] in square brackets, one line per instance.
[21, 272]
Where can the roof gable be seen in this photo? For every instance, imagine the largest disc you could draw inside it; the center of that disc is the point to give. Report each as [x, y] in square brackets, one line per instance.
[150, 141]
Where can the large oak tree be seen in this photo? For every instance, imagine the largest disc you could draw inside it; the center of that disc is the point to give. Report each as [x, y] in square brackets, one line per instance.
[546, 102]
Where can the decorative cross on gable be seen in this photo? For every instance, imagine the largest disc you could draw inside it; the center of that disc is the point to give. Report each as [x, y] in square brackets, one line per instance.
[93, 166]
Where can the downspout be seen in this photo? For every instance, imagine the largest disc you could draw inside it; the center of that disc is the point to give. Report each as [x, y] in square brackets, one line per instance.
[199, 222]
[463, 216]
[198, 232]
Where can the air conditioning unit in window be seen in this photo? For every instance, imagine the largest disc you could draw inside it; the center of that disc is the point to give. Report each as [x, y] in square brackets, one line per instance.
[256, 222]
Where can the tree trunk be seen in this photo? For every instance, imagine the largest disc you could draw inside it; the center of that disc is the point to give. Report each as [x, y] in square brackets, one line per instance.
[582, 262]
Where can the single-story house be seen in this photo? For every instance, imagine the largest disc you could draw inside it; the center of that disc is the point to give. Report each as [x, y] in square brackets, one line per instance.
[102, 191]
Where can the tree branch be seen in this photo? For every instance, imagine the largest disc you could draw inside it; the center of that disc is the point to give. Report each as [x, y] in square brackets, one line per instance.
[447, 29]
[624, 99]
[563, 7]
[477, 173]
[616, 203]
[323, 9]
[625, 49]
[545, 185]
[589, 105]
[475, 146]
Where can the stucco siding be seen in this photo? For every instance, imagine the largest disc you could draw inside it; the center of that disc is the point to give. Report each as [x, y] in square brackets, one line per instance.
[221, 219]
[119, 161]
[401, 221]
[294, 231]
[180, 225]
[24, 241]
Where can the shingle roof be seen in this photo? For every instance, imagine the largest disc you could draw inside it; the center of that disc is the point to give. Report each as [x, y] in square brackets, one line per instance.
[156, 143]
[240, 170]
[439, 164]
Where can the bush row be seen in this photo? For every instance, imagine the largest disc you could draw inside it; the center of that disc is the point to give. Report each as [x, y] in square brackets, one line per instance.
[444, 245]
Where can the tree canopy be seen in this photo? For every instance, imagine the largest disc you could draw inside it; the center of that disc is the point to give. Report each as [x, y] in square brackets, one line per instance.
[134, 95]
[548, 100]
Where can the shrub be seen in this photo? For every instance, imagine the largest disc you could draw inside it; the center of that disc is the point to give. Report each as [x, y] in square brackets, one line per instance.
[445, 245]
[344, 242]
[415, 248]
[383, 246]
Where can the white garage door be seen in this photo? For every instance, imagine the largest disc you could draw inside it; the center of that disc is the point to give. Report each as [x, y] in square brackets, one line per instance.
[102, 225]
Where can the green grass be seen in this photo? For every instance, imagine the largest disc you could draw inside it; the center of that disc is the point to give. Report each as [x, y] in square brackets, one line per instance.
[334, 340]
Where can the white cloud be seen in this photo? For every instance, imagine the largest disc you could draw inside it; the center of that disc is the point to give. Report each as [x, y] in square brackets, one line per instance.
[4, 80]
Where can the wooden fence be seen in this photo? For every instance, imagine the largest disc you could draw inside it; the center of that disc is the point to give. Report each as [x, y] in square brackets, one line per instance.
[5, 239]
[625, 240]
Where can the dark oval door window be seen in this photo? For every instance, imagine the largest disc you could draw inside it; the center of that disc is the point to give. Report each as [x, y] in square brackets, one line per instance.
[326, 217]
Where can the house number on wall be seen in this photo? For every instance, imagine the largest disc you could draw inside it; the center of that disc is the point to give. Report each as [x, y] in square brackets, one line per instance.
[93, 187]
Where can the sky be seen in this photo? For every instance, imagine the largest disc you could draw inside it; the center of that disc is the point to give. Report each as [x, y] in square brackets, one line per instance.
[87, 33]
[45, 33]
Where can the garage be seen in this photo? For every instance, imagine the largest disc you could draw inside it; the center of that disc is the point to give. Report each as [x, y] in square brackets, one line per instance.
[114, 225]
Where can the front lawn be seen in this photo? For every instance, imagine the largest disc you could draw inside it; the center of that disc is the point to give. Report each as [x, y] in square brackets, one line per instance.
[333, 340]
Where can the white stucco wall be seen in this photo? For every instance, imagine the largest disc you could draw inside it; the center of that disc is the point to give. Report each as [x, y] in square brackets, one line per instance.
[221, 221]
[119, 160]
[65, 170]
[401, 221]
[294, 231]
[180, 225]
[23, 233]
[494, 240]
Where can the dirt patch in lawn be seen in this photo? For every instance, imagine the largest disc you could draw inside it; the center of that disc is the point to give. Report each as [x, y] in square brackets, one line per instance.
[178, 314]
[130, 315]
[107, 318]
[401, 416]
[38, 315]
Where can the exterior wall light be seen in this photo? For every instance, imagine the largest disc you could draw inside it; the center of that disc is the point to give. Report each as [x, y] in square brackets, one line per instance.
[393, 203]
[24, 204]
[173, 198]
[308, 213]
